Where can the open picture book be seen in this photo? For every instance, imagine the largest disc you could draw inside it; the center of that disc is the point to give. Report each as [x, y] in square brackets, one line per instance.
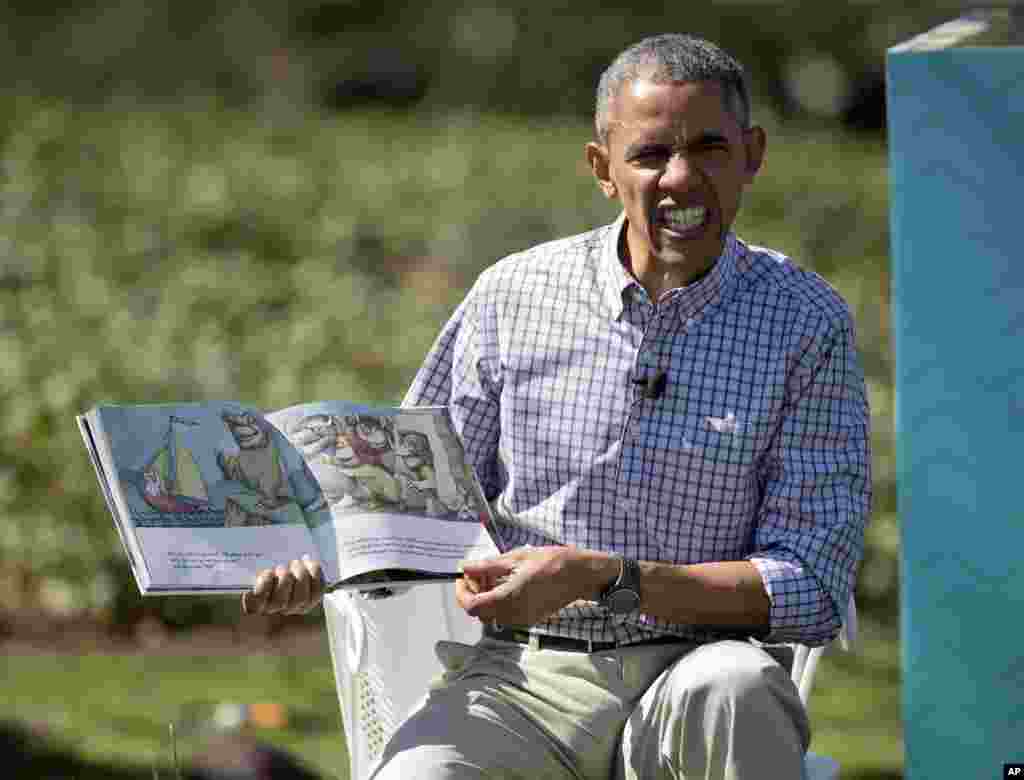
[206, 495]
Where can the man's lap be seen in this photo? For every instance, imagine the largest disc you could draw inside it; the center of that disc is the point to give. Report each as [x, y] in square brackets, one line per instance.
[502, 710]
[726, 709]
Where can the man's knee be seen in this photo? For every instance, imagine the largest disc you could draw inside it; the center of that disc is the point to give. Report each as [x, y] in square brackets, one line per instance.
[726, 709]
[726, 674]
[463, 734]
[730, 693]
[428, 762]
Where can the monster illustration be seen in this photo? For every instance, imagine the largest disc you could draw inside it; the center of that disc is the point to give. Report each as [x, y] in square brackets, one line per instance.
[258, 465]
[419, 483]
[351, 458]
[316, 437]
[371, 439]
[363, 464]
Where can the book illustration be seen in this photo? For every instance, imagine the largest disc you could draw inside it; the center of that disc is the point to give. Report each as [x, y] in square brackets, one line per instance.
[419, 483]
[379, 463]
[256, 463]
[213, 468]
[352, 470]
[172, 481]
[206, 495]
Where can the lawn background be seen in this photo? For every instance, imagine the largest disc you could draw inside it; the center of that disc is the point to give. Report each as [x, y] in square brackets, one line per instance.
[112, 714]
[213, 254]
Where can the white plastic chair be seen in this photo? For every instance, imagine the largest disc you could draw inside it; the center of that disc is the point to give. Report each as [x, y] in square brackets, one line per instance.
[805, 664]
[383, 661]
[382, 651]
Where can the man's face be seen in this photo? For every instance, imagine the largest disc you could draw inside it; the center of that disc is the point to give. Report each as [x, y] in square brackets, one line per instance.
[679, 162]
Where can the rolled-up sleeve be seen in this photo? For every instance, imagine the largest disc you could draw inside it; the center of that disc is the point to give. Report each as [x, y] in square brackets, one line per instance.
[817, 489]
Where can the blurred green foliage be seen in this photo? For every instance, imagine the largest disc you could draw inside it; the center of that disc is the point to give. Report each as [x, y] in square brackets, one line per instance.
[212, 253]
[525, 56]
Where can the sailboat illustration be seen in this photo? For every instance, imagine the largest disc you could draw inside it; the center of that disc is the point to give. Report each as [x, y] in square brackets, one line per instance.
[172, 479]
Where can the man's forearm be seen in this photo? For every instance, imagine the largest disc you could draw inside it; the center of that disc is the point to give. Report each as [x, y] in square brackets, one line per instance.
[724, 593]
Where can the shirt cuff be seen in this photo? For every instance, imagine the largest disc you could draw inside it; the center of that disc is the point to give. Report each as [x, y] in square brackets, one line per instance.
[800, 610]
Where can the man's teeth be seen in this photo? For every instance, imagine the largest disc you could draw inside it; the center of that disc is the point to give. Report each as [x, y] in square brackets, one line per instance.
[684, 219]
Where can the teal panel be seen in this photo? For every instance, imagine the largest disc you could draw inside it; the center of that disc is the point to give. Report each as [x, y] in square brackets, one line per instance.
[956, 140]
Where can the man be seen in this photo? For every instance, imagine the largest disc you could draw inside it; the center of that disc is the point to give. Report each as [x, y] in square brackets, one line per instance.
[672, 428]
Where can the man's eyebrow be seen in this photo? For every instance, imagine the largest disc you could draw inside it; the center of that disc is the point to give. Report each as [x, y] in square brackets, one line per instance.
[706, 138]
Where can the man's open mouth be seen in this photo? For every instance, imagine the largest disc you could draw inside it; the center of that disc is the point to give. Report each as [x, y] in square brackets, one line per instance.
[683, 221]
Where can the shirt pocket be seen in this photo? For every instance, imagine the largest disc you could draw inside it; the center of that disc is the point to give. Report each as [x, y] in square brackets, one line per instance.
[725, 442]
[700, 459]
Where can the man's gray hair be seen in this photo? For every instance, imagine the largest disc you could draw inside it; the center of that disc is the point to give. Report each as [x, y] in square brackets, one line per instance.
[673, 57]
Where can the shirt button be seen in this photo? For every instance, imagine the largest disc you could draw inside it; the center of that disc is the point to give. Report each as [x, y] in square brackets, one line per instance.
[627, 505]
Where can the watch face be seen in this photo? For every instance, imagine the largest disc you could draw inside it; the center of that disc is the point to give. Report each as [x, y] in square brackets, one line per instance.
[623, 600]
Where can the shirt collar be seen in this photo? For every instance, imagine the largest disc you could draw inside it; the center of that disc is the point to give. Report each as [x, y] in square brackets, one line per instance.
[620, 285]
[617, 281]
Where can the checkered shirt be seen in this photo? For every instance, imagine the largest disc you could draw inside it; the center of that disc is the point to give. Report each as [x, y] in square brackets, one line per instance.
[756, 449]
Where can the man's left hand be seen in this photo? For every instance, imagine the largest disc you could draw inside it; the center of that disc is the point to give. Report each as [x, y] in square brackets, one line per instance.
[528, 584]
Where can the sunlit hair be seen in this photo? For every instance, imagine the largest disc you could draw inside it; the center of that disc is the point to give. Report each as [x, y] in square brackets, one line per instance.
[673, 57]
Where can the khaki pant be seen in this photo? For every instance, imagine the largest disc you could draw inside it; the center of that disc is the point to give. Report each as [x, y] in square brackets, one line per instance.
[725, 710]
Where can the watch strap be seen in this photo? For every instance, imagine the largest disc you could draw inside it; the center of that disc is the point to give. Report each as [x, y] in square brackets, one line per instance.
[628, 580]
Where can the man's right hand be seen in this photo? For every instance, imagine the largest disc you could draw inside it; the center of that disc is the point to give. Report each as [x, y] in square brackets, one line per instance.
[286, 590]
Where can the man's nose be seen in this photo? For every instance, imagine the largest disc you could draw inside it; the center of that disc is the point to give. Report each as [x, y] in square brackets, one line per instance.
[680, 173]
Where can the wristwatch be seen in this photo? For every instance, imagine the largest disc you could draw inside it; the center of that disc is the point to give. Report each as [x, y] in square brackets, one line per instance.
[623, 595]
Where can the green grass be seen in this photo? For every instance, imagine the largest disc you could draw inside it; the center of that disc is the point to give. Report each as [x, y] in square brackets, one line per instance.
[855, 706]
[115, 710]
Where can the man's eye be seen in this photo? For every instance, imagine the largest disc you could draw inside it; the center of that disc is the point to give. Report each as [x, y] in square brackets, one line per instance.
[648, 157]
[713, 148]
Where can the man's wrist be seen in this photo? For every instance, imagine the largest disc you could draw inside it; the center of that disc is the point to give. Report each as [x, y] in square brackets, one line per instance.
[598, 570]
[623, 594]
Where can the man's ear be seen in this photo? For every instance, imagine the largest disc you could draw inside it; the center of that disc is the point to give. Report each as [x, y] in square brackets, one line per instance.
[756, 141]
[597, 157]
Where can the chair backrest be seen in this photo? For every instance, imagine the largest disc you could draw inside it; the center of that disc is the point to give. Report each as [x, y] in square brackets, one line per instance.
[383, 661]
[805, 659]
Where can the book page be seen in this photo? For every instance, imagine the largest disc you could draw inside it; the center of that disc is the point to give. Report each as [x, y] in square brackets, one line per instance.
[400, 493]
[209, 494]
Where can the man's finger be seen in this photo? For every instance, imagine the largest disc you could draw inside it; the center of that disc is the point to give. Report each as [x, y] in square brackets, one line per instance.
[499, 565]
[482, 605]
[301, 592]
[254, 602]
[489, 569]
[465, 591]
[266, 580]
[281, 598]
[317, 576]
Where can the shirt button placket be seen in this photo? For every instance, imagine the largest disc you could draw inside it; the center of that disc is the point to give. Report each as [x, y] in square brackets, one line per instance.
[631, 472]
